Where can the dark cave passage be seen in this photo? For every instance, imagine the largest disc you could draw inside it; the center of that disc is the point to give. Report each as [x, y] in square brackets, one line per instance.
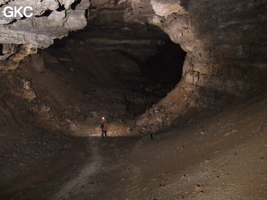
[1, 50]
[166, 66]
[140, 66]
[172, 94]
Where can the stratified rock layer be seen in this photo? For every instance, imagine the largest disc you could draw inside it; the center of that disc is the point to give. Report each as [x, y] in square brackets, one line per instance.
[226, 44]
[51, 19]
[225, 41]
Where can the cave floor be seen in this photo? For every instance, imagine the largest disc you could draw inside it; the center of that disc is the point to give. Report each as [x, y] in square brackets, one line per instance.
[222, 156]
[51, 148]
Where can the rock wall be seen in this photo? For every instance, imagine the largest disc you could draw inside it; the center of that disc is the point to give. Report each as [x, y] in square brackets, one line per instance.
[225, 43]
[49, 20]
[225, 40]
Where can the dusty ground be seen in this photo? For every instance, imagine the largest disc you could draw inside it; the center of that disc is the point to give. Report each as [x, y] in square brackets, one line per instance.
[222, 156]
[50, 146]
[219, 157]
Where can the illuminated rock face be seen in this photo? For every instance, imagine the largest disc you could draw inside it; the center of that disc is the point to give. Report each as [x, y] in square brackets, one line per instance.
[49, 19]
[225, 41]
[35, 24]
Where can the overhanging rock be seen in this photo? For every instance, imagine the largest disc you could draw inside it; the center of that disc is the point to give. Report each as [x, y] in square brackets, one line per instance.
[50, 19]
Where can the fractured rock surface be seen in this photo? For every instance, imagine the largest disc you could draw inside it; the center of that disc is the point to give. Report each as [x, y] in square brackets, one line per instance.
[225, 42]
[51, 19]
[67, 88]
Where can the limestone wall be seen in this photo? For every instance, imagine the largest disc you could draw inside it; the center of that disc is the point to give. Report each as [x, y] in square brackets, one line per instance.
[51, 19]
[225, 41]
[226, 45]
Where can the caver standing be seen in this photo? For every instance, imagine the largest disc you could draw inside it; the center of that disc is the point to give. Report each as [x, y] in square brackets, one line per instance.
[104, 127]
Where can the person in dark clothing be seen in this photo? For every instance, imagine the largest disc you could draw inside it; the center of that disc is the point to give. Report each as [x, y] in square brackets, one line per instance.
[104, 127]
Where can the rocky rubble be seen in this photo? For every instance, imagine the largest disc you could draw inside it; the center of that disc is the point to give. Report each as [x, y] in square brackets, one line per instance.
[15, 55]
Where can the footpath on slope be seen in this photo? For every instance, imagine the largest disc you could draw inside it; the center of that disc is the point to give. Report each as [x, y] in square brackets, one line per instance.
[209, 157]
[217, 157]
